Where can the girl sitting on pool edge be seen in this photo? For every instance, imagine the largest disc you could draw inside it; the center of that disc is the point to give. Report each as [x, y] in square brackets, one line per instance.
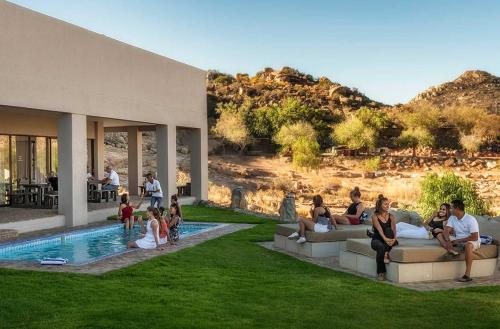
[152, 238]
[126, 210]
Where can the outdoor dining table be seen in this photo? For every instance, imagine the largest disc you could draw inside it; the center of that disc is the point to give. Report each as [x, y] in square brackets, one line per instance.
[39, 189]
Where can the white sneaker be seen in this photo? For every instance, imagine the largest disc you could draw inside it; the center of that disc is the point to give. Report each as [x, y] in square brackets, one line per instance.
[302, 239]
[294, 235]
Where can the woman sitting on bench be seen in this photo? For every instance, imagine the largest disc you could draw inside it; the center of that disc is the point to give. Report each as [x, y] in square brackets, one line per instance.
[355, 213]
[321, 221]
[437, 224]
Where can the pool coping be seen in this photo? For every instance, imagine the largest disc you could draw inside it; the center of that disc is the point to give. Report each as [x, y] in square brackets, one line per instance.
[128, 257]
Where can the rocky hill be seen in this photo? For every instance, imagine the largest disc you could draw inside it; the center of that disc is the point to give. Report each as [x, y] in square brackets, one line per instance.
[472, 88]
[271, 86]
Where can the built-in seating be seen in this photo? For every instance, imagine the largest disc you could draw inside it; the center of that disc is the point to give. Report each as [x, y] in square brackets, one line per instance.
[415, 260]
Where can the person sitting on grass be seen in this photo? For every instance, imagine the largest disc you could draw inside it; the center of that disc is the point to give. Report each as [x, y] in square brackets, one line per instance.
[384, 235]
[321, 221]
[355, 213]
[437, 224]
[466, 237]
[152, 238]
[126, 210]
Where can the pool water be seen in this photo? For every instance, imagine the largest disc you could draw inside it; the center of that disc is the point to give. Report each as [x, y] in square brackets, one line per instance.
[84, 246]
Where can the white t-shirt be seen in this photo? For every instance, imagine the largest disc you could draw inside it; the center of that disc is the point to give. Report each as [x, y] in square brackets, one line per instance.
[113, 176]
[154, 186]
[463, 227]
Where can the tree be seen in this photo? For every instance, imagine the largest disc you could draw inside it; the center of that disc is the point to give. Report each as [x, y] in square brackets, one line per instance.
[415, 138]
[306, 153]
[289, 134]
[376, 119]
[231, 124]
[438, 189]
[355, 134]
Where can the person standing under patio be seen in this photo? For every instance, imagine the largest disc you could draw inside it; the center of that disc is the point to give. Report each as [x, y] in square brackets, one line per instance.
[466, 237]
[112, 181]
[384, 235]
[153, 186]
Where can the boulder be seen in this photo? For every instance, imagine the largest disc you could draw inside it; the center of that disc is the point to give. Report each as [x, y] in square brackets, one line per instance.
[238, 200]
[288, 211]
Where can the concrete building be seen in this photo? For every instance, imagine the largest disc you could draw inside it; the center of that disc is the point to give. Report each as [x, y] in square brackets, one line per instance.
[62, 87]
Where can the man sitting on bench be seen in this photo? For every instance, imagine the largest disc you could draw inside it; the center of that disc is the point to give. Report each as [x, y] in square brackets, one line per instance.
[112, 181]
[466, 235]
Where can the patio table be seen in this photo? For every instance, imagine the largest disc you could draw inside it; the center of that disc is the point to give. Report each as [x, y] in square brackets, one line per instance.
[39, 189]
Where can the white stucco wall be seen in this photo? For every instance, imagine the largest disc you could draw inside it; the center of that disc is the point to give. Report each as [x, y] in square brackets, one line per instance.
[48, 64]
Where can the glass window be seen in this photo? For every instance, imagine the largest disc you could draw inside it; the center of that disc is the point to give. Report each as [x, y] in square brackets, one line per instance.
[53, 155]
[40, 160]
[4, 170]
[21, 158]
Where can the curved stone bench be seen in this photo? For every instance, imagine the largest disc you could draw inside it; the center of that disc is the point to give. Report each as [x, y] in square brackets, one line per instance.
[416, 260]
[318, 244]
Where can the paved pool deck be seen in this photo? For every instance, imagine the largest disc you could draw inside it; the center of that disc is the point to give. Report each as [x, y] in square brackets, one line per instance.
[333, 264]
[121, 260]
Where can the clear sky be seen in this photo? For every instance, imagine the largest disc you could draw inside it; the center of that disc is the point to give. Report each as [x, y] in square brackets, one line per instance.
[388, 49]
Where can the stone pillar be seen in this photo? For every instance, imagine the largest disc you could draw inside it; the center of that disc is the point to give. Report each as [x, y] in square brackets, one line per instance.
[134, 160]
[72, 157]
[99, 150]
[167, 160]
[287, 211]
[198, 146]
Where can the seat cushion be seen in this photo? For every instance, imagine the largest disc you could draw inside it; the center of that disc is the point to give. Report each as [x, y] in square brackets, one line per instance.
[418, 251]
[342, 234]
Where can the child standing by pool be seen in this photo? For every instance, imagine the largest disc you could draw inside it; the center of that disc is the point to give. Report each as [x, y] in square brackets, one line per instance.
[152, 238]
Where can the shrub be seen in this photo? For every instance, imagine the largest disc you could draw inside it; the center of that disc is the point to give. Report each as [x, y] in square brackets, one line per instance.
[471, 143]
[424, 116]
[415, 138]
[372, 164]
[289, 134]
[224, 79]
[373, 118]
[306, 153]
[355, 134]
[231, 125]
[436, 190]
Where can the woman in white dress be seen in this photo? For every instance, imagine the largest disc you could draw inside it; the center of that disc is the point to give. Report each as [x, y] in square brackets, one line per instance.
[152, 238]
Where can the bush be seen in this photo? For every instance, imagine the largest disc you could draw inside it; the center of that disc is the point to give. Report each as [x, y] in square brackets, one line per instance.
[424, 116]
[306, 153]
[355, 134]
[372, 164]
[436, 190]
[373, 118]
[289, 134]
[471, 143]
[415, 138]
[224, 79]
[231, 124]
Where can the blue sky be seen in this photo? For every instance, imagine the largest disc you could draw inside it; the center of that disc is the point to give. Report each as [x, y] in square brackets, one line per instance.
[390, 50]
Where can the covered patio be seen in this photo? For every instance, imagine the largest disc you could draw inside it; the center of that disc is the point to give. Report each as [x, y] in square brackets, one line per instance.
[61, 88]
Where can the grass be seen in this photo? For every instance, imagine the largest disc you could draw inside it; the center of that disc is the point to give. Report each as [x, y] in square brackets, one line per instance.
[231, 282]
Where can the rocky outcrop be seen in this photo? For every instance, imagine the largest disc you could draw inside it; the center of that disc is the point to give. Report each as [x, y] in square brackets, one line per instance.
[269, 87]
[472, 88]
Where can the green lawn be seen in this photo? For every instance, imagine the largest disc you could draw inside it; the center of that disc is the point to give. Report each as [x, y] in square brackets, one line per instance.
[231, 282]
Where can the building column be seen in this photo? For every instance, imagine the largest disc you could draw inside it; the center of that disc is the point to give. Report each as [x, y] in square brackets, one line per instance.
[99, 150]
[198, 146]
[72, 157]
[167, 160]
[134, 160]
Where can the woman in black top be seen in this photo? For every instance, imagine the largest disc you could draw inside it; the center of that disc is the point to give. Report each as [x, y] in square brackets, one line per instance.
[384, 234]
[355, 212]
[436, 226]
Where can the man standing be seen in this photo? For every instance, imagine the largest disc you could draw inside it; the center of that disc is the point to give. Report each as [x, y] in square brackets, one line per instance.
[153, 186]
[112, 181]
[466, 235]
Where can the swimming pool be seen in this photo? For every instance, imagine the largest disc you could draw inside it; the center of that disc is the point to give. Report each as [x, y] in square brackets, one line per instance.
[85, 246]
